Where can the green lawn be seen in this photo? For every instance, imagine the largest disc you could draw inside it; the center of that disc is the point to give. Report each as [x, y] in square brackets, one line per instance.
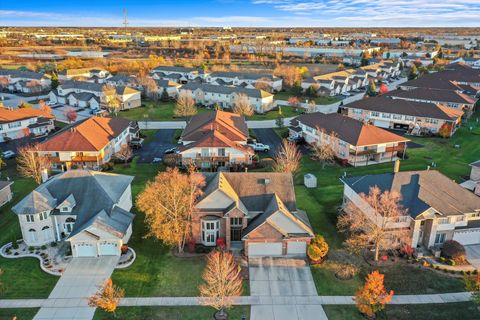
[171, 313]
[287, 112]
[446, 311]
[20, 314]
[22, 278]
[155, 272]
[154, 111]
[285, 95]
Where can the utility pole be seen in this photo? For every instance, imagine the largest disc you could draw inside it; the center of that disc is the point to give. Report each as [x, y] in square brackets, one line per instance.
[125, 21]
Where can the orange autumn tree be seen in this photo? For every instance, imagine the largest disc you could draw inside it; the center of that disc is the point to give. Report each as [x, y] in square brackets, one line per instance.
[107, 297]
[372, 297]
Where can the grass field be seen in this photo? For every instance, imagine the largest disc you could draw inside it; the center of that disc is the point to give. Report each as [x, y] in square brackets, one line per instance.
[447, 311]
[171, 313]
[285, 95]
[20, 314]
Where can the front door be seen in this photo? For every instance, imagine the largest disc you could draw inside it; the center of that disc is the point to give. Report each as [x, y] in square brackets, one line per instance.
[210, 232]
[236, 229]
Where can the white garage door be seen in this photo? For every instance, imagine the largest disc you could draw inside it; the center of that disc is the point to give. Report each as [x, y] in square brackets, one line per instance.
[108, 249]
[381, 124]
[265, 249]
[297, 249]
[467, 237]
[86, 250]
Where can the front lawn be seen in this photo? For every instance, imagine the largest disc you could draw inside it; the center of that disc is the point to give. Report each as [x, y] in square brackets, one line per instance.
[155, 272]
[287, 94]
[22, 278]
[20, 314]
[171, 313]
[441, 311]
[154, 111]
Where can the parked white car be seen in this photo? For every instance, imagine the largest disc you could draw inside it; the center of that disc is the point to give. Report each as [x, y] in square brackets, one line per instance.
[9, 154]
[260, 147]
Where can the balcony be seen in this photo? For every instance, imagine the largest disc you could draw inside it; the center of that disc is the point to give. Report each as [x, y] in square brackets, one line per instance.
[399, 148]
[212, 158]
[84, 159]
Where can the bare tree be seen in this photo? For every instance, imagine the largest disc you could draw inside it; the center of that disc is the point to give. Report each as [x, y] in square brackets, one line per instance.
[325, 148]
[169, 204]
[185, 105]
[290, 74]
[107, 297]
[30, 163]
[372, 224]
[223, 282]
[125, 153]
[263, 84]
[242, 105]
[111, 100]
[287, 158]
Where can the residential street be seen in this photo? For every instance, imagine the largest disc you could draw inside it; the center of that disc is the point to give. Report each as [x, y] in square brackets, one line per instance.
[79, 281]
[156, 148]
[270, 277]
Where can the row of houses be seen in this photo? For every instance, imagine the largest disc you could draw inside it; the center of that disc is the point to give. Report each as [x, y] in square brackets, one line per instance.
[345, 81]
[27, 82]
[24, 122]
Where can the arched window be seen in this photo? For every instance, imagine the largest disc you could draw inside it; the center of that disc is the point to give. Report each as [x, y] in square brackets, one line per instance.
[47, 233]
[32, 235]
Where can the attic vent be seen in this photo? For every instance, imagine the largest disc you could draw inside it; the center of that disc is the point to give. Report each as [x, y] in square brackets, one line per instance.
[264, 181]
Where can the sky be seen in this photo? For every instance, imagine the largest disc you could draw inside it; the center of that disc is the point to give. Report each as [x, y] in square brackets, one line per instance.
[243, 13]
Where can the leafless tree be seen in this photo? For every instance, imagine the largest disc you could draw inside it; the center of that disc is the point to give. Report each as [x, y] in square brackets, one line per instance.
[125, 153]
[263, 84]
[325, 148]
[373, 223]
[185, 105]
[30, 163]
[242, 105]
[287, 158]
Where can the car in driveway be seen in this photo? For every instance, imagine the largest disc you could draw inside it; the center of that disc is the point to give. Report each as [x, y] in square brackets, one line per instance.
[8, 154]
[260, 147]
[296, 140]
[171, 150]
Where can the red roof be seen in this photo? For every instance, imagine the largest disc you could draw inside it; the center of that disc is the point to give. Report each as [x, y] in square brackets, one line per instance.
[9, 115]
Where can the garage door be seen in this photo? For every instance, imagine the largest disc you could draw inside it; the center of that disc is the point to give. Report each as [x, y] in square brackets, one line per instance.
[108, 249]
[381, 124]
[265, 249]
[297, 249]
[86, 250]
[467, 237]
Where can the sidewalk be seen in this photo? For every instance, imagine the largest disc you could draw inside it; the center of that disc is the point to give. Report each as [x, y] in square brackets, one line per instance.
[244, 300]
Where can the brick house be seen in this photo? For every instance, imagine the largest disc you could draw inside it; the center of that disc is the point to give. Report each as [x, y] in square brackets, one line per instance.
[253, 211]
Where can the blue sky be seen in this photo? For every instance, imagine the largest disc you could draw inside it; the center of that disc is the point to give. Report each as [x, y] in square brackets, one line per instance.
[277, 13]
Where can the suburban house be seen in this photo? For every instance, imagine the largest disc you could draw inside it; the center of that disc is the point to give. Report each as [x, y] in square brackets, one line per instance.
[124, 80]
[87, 144]
[6, 193]
[84, 74]
[473, 184]
[23, 122]
[178, 74]
[437, 208]
[353, 141]
[24, 81]
[469, 61]
[91, 95]
[452, 99]
[253, 211]
[171, 87]
[215, 140]
[414, 117]
[89, 209]
[209, 94]
[246, 80]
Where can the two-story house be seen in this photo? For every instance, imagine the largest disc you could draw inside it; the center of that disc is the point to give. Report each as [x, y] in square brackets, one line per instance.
[414, 117]
[438, 209]
[84, 74]
[24, 81]
[247, 80]
[89, 209]
[23, 122]
[215, 140]
[473, 184]
[353, 141]
[87, 144]
[253, 211]
[224, 96]
[178, 74]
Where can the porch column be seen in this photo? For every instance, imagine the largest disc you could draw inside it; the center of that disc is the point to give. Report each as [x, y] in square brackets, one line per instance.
[227, 233]
[56, 228]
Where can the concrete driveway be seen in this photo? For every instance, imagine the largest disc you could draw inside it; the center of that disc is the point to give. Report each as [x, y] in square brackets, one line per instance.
[79, 281]
[277, 278]
[156, 148]
[473, 255]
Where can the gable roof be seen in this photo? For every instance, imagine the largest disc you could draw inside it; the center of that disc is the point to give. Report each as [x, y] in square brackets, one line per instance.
[420, 190]
[10, 115]
[432, 95]
[21, 74]
[81, 85]
[349, 130]
[253, 93]
[93, 192]
[92, 134]
[231, 125]
[400, 106]
[215, 138]
[241, 75]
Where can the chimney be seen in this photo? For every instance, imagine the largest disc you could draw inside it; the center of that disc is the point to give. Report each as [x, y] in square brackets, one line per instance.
[396, 167]
[44, 175]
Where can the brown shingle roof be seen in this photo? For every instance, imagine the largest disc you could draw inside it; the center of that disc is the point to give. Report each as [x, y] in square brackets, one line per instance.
[92, 134]
[216, 139]
[433, 95]
[349, 130]
[231, 125]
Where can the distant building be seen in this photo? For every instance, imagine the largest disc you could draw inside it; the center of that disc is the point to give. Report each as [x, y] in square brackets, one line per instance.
[23, 122]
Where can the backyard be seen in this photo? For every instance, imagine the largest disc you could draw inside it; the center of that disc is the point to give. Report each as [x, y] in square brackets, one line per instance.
[285, 95]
